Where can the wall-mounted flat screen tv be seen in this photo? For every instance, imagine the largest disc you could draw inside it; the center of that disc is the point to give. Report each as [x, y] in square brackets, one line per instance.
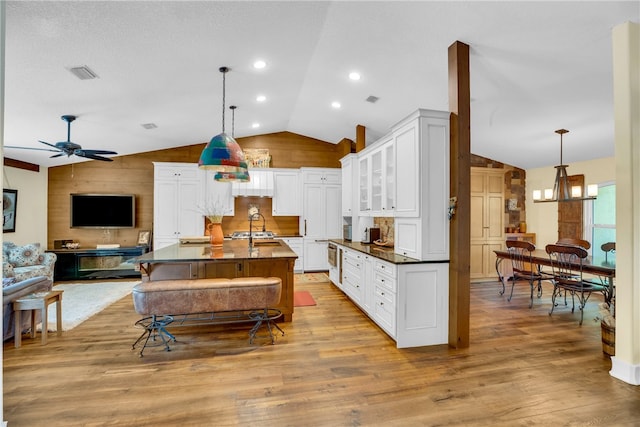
[103, 210]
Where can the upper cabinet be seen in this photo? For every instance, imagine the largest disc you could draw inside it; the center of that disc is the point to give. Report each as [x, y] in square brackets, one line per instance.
[287, 200]
[347, 184]
[321, 175]
[382, 182]
[260, 184]
[177, 201]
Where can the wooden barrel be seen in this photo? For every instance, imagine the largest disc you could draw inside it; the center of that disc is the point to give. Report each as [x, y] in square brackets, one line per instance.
[608, 339]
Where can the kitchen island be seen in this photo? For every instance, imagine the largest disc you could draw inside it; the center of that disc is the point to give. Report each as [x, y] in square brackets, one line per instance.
[235, 258]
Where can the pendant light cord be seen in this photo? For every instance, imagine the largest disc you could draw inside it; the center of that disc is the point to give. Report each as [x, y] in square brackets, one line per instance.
[223, 70]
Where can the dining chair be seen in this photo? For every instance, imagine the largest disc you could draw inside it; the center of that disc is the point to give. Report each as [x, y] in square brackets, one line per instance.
[523, 267]
[566, 263]
[607, 248]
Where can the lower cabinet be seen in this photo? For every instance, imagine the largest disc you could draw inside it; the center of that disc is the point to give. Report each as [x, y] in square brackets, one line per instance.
[297, 246]
[315, 254]
[410, 302]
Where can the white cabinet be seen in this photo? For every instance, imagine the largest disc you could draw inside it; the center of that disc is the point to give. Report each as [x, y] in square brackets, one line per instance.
[347, 184]
[178, 195]
[321, 175]
[382, 180]
[296, 244]
[353, 274]
[423, 304]
[364, 184]
[287, 193]
[410, 302]
[408, 237]
[321, 217]
[217, 195]
[422, 183]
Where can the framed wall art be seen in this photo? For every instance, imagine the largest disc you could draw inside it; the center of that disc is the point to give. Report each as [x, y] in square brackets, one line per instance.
[9, 203]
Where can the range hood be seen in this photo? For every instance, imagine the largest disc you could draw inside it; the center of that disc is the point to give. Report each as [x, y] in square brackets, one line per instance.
[261, 185]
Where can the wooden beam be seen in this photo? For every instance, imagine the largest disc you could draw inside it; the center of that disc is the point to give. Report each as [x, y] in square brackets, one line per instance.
[19, 164]
[459, 266]
[360, 138]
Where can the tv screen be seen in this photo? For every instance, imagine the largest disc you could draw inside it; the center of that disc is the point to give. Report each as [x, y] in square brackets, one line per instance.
[103, 210]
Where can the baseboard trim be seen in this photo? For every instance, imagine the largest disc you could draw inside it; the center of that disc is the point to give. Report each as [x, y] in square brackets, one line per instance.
[625, 371]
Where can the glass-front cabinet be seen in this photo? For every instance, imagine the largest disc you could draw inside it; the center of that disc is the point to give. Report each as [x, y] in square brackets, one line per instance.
[363, 185]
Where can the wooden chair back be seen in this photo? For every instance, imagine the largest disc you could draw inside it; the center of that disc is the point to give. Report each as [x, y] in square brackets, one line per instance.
[609, 247]
[574, 242]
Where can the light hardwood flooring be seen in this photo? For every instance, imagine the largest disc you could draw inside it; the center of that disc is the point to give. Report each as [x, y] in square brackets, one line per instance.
[333, 367]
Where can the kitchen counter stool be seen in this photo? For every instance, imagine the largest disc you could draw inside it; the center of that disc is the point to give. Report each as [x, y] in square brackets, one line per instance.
[33, 302]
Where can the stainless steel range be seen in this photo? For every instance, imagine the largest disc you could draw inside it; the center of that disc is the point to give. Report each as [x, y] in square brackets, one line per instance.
[256, 235]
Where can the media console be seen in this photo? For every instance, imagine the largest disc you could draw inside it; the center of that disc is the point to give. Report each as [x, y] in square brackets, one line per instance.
[88, 264]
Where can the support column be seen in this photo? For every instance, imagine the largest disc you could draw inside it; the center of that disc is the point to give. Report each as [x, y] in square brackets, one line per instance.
[626, 86]
[460, 223]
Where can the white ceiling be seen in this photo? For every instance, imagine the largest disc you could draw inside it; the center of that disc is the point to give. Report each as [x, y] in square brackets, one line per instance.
[535, 67]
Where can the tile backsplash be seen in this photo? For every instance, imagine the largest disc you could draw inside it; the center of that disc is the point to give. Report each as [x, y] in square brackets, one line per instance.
[386, 227]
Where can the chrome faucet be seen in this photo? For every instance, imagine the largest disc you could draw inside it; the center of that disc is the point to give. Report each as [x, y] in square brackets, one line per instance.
[264, 226]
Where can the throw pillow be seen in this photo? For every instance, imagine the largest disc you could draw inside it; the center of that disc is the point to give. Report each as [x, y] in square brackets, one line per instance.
[6, 281]
[7, 270]
[23, 256]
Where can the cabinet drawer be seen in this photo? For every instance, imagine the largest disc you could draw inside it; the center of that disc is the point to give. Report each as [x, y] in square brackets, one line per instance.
[385, 268]
[384, 281]
[385, 298]
[384, 311]
[352, 259]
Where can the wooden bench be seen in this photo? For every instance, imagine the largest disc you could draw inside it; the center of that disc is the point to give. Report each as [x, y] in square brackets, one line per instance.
[205, 301]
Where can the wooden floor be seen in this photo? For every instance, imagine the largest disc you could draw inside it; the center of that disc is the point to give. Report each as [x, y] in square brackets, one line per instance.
[333, 367]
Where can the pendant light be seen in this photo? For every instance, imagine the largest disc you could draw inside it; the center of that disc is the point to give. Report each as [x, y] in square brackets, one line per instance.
[223, 154]
[561, 191]
[232, 176]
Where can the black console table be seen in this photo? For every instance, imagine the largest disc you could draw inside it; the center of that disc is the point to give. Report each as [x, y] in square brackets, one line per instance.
[86, 264]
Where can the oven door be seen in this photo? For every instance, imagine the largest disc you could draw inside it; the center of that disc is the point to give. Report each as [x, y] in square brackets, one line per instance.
[332, 254]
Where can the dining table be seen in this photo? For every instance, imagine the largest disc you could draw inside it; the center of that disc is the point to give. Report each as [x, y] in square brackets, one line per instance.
[599, 266]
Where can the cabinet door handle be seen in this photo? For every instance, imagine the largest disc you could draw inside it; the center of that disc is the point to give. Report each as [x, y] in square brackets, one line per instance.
[305, 227]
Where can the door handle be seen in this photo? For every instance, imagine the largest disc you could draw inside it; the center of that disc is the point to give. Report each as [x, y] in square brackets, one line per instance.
[305, 227]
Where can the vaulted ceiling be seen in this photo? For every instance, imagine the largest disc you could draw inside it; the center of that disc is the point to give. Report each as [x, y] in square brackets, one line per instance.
[535, 67]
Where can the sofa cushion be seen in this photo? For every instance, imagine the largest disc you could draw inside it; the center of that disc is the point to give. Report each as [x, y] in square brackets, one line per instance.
[27, 255]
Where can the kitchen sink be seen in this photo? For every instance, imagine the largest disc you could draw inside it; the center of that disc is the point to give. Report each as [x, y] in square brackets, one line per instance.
[265, 243]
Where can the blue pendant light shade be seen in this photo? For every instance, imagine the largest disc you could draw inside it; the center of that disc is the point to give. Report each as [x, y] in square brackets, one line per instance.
[232, 176]
[222, 153]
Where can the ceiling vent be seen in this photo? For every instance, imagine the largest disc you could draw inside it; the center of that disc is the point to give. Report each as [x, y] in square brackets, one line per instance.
[372, 99]
[149, 125]
[83, 73]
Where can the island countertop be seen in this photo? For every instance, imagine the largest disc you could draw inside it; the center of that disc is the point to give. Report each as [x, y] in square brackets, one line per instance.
[230, 250]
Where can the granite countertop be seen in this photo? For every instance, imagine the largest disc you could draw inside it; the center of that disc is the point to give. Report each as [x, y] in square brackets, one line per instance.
[230, 250]
[381, 252]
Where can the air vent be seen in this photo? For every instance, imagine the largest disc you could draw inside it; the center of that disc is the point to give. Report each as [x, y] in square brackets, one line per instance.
[372, 99]
[149, 125]
[83, 73]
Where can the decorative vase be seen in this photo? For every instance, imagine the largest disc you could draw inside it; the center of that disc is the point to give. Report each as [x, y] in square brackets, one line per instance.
[215, 234]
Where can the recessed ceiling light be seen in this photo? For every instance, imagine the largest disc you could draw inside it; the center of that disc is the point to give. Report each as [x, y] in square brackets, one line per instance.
[335, 104]
[259, 64]
[261, 98]
[255, 125]
[354, 75]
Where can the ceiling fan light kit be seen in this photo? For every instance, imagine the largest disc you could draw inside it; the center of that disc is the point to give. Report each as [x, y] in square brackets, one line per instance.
[223, 154]
[561, 191]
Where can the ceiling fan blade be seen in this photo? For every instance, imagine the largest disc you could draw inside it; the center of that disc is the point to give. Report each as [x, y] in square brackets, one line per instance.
[32, 148]
[50, 145]
[90, 155]
[97, 152]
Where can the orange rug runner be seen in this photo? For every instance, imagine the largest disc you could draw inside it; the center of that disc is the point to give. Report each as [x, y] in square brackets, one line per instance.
[303, 299]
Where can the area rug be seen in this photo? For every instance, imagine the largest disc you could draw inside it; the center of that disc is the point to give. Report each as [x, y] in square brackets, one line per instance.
[80, 301]
[303, 299]
[310, 278]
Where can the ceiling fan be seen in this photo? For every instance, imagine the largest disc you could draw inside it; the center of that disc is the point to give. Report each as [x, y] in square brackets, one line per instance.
[69, 148]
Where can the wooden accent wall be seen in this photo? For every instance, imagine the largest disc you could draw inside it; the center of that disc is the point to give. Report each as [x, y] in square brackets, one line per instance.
[133, 174]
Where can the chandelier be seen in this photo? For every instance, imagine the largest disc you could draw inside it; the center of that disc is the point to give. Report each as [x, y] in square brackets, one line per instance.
[561, 191]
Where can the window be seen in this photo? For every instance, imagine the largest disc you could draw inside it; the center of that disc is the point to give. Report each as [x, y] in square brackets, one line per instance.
[600, 219]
